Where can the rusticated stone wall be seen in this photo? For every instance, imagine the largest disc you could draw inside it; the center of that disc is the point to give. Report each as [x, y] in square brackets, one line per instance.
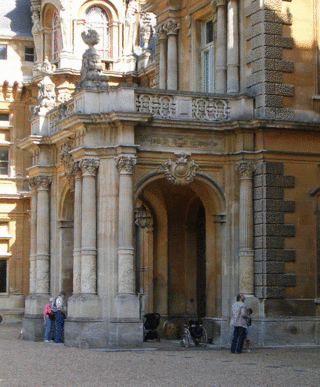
[270, 230]
[265, 33]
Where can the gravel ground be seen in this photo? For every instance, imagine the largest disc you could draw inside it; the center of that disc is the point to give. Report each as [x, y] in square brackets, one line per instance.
[25, 363]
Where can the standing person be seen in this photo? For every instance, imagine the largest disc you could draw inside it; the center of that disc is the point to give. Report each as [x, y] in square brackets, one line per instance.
[239, 317]
[48, 322]
[247, 334]
[61, 314]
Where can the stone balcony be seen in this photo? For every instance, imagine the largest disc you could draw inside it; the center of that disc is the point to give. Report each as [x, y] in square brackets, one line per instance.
[161, 104]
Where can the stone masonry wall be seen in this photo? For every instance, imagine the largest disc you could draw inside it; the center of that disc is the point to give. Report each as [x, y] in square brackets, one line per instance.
[265, 34]
[270, 230]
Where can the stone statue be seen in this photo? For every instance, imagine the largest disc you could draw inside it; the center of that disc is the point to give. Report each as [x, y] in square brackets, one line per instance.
[130, 27]
[92, 67]
[46, 97]
[145, 30]
[36, 30]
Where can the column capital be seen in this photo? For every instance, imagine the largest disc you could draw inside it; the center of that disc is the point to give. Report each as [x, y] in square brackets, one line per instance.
[218, 3]
[33, 182]
[89, 166]
[171, 27]
[76, 169]
[42, 181]
[125, 164]
[245, 169]
[161, 33]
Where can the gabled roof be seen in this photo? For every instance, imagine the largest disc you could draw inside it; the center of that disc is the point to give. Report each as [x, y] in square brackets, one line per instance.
[15, 18]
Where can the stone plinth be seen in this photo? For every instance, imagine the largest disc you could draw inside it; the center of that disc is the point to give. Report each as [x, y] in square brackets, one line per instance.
[125, 333]
[84, 307]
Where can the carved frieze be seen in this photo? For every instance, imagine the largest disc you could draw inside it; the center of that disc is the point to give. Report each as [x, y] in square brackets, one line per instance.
[205, 144]
[125, 164]
[180, 171]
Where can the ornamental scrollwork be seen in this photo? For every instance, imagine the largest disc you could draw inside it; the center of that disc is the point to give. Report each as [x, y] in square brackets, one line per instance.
[171, 27]
[208, 109]
[125, 164]
[180, 171]
[245, 169]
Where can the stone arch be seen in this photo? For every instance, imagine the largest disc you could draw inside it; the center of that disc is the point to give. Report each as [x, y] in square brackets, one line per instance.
[203, 192]
[65, 230]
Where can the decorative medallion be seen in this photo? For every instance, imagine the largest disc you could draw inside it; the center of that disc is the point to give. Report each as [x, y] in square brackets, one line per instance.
[181, 171]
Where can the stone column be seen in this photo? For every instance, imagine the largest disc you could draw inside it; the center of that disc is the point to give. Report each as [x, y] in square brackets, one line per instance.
[163, 58]
[233, 48]
[77, 228]
[221, 47]
[245, 170]
[89, 227]
[33, 237]
[172, 27]
[126, 269]
[43, 235]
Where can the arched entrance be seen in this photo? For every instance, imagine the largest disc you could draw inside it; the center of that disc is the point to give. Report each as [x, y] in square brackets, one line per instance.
[179, 254]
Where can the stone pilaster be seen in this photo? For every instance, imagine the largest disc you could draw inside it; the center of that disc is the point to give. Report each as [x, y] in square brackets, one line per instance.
[43, 235]
[233, 48]
[33, 237]
[126, 270]
[77, 228]
[172, 27]
[246, 254]
[89, 227]
[221, 47]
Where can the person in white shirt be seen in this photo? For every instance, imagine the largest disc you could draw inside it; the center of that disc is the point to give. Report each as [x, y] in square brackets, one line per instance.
[61, 315]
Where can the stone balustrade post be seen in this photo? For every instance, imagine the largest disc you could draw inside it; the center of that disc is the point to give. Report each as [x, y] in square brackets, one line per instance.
[33, 237]
[126, 269]
[221, 47]
[89, 227]
[246, 253]
[77, 228]
[172, 27]
[43, 235]
[233, 48]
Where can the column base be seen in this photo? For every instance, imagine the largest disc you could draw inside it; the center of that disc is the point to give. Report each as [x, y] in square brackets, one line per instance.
[127, 306]
[125, 333]
[85, 333]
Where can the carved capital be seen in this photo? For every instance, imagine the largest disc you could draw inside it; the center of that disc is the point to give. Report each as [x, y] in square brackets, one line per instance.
[171, 27]
[43, 181]
[125, 164]
[218, 3]
[89, 166]
[245, 169]
[33, 182]
[180, 171]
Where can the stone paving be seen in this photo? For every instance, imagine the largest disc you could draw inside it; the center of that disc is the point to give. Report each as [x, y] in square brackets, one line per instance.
[25, 363]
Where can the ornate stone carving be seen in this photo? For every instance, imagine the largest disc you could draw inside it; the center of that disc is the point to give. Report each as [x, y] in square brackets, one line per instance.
[245, 169]
[161, 106]
[46, 68]
[46, 96]
[33, 182]
[188, 20]
[171, 27]
[92, 67]
[209, 109]
[180, 171]
[125, 164]
[43, 181]
[89, 166]
[145, 29]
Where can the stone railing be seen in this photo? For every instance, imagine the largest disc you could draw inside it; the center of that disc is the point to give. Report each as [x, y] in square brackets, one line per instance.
[164, 105]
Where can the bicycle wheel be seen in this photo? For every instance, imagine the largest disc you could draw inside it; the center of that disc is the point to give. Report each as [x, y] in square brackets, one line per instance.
[186, 341]
[204, 338]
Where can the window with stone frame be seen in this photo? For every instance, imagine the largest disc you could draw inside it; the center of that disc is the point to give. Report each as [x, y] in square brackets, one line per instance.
[4, 160]
[207, 56]
[97, 19]
[3, 51]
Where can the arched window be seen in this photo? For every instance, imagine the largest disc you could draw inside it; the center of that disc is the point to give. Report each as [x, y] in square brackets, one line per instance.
[56, 37]
[97, 19]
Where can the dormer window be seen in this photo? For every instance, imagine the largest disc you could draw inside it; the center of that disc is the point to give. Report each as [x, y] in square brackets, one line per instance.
[97, 19]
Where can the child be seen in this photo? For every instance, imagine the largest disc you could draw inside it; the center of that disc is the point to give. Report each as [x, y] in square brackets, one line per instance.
[247, 336]
[48, 322]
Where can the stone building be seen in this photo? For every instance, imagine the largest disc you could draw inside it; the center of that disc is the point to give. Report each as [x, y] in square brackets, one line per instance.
[16, 62]
[168, 174]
